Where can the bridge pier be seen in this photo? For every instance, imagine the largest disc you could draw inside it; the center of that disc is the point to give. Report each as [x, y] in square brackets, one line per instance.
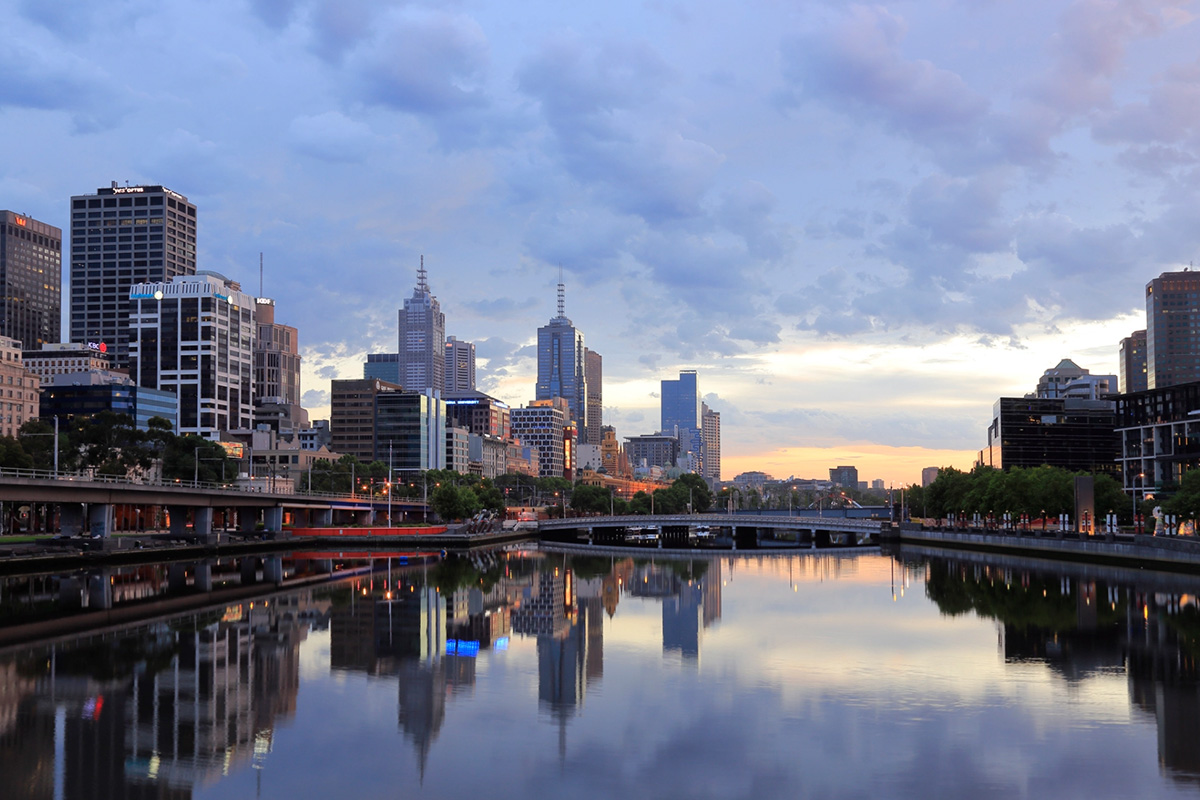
[202, 522]
[100, 520]
[70, 519]
[273, 519]
[177, 577]
[70, 592]
[179, 520]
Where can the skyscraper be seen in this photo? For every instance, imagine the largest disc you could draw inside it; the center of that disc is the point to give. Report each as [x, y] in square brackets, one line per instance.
[460, 365]
[30, 278]
[681, 401]
[422, 339]
[561, 370]
[277, 370]
[1133, 363]
[711, 433]
[593, 371]
[122, 236]
[1173, 329]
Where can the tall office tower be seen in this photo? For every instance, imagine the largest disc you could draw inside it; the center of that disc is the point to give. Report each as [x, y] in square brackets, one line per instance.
[681, 401]
[1173, 329]
[561, 364]
[929, 475]
[711, 433]
[1133, 363]
[593, 371]
[460, 365]
[121, 236]
[1068, 379]
[194, 336]
[30, 278]
[422, 339]
[277, 371]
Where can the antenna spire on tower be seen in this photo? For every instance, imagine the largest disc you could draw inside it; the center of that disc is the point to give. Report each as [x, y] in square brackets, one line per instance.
[422, 283]
[562, 300]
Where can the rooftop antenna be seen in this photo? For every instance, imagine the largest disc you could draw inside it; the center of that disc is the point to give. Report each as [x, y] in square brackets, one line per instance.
[422, 283]
[562, 300]
[260, 274]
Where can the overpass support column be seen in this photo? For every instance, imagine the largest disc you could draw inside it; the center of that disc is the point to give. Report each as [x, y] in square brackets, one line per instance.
[70, 592]
[321, 517]
[323, 566]
[179, 518]
[589, 531]
[273, 570]
[202, 522]
[247, 519]
[733, 534]
[100, 519]
[70, 519]
[273, 518]
[363, 517]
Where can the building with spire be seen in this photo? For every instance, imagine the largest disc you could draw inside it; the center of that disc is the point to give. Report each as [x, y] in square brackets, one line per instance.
[422, 339]
[562, 363]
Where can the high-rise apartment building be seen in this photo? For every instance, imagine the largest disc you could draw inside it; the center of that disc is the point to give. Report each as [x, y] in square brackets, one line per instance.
[422, 339]
[460, 365]
[1173, 329]
[277, 370]
[593, 372]
[121, 236]
[194, 336]
[1133, 363]
[31, 280]
[561, 370]
[542, 427]
[710, 432]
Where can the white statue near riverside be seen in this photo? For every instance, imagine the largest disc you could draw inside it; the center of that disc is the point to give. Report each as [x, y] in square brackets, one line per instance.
[1158, 520]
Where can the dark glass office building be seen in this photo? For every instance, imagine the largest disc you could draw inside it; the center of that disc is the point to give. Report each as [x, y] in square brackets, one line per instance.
[1077, 435]
[137, 402]
[30, 278]
[122, 236]
[1173, 329]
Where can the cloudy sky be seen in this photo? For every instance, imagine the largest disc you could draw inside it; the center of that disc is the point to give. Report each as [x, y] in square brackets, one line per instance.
[861, 223]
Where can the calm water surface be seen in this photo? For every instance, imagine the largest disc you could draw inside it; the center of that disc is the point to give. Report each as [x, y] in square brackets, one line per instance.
[527, 675]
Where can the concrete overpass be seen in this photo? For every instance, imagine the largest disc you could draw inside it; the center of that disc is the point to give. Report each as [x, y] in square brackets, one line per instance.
[86, 502]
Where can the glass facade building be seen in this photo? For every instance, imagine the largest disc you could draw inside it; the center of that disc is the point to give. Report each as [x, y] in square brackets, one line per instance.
[136, 402]
[31, 280]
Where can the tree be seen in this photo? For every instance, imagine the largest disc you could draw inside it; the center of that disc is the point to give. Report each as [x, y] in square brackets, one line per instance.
[591, 499]
[13, 455]
[454, 502]
[694, 489]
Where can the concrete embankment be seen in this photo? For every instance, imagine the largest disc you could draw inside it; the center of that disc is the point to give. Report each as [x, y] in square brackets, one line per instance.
[1159, 552]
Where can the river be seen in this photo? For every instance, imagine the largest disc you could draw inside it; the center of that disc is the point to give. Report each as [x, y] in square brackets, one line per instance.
[527, 674]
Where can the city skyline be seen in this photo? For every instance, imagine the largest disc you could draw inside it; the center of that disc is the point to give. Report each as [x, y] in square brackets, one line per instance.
[862, 225]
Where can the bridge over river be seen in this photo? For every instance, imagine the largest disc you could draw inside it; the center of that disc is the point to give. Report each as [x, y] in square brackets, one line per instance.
[736, 530]
[87, 502]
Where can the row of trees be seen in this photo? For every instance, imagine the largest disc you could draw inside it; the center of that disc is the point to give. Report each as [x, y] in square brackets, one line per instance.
[108, 443]
[688, 492]
[1034, 491]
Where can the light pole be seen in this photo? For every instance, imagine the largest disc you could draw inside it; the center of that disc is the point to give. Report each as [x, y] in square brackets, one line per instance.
[196, 466]
[55, 435]
[389, 484]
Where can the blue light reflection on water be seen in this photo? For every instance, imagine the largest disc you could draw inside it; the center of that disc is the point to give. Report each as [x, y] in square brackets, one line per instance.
[760, 677]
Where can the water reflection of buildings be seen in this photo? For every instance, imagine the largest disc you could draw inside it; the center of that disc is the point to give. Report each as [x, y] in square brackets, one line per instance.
[154, 711]
[691, 600]
[1102, 623]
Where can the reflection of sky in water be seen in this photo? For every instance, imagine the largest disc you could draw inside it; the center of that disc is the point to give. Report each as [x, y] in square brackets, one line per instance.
[811, 682]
